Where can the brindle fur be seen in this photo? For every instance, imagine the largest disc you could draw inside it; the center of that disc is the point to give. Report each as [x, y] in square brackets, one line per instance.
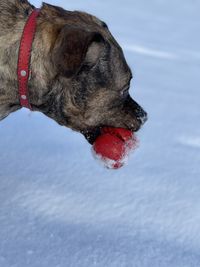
[79, 76]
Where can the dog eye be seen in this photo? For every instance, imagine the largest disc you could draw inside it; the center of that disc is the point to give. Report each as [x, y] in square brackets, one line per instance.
[124, 93]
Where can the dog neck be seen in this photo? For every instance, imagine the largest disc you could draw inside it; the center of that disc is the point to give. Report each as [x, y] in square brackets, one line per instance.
[13, 15]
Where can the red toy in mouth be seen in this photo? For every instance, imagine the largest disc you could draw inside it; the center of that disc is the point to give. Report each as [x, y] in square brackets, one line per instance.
[114, 145]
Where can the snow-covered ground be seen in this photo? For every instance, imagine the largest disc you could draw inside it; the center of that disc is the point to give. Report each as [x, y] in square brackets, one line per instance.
[60, 208]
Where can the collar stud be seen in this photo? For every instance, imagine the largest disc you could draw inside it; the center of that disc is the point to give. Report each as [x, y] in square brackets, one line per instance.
[23, 73]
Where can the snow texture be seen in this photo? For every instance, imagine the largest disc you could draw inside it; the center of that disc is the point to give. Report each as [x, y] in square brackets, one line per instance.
[59, 208]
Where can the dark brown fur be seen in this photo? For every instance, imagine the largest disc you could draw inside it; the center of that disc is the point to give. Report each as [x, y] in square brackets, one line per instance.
[79, 76]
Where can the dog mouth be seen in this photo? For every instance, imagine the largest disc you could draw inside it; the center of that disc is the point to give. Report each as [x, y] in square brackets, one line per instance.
[92, 133]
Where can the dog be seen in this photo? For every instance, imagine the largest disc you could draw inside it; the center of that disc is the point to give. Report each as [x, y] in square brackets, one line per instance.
[79, 75]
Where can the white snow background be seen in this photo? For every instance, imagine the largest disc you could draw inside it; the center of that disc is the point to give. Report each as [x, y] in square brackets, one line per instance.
[60, 208]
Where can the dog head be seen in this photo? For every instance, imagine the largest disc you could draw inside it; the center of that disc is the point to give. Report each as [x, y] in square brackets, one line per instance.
[89, 78]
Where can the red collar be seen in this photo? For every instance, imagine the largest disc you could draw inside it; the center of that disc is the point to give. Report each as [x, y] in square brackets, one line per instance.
[23, 68]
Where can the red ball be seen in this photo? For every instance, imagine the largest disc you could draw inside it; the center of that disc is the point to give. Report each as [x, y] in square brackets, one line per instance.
[110, 147]
[113, 145]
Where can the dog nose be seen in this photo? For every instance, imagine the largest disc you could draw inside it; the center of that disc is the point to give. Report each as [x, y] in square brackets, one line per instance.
[141, 115]
[137, 111]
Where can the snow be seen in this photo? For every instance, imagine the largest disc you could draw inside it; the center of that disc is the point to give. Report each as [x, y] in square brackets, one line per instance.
[59, 208]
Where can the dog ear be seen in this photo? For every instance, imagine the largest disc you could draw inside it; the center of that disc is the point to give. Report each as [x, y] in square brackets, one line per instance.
[75, 47]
